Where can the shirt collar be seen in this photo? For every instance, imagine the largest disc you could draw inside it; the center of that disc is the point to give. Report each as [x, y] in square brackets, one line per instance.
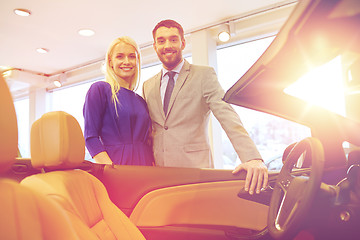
[176, 69]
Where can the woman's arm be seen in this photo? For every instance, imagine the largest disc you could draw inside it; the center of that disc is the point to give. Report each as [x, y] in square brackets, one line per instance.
[94, 108]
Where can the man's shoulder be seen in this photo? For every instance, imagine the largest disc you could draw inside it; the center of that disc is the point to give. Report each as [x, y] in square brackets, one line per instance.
[195, 67]
[153, 78]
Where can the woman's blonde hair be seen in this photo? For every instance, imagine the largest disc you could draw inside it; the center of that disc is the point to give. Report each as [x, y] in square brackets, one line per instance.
[110, 75]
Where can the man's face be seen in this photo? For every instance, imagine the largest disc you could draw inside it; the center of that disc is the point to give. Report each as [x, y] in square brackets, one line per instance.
[168, 46]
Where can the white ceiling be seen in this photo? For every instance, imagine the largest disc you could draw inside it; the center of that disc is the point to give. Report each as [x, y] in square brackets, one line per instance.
[54, 25]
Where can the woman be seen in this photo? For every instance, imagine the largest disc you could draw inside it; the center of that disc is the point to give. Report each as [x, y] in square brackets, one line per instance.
[117, 122]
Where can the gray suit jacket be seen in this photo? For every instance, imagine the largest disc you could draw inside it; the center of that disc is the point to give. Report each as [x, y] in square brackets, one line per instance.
[180, 139]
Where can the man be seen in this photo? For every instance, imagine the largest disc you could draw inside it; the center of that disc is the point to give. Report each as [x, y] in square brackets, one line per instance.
[180, 99]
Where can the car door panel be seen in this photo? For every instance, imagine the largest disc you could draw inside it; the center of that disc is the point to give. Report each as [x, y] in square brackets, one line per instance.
[214, 203]
[184, 203]
[126, 185]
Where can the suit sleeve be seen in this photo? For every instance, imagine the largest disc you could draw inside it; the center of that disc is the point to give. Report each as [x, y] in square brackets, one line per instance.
[228, 118]
[94, 108]
[143, 91]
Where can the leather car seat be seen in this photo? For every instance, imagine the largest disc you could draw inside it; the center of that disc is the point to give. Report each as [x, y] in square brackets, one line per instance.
[24, 214]
[58, 147]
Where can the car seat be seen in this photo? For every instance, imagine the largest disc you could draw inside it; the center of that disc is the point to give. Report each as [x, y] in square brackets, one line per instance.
[25, 214]
[58, 148]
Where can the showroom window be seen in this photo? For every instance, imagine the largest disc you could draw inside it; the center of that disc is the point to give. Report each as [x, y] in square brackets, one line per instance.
[70, 100]
[271, 134]
[22, 114]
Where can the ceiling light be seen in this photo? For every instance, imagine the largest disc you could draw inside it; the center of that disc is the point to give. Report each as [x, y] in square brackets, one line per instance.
[22, 12]
[57, 83]
[61, 80]
[86, 32]
[224, 36]
[226, 31]
[42, 50]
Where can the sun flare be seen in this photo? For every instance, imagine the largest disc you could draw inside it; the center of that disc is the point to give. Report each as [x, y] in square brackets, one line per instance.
[322, 86]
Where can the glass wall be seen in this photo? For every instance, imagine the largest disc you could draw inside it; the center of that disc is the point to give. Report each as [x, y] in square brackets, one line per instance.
[22, 114]
[70, 100]
[270, 134]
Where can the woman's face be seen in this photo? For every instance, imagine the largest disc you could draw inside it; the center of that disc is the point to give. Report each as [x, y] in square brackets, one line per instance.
[123, 61]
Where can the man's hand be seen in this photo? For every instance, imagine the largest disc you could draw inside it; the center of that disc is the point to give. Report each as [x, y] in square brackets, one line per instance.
[257, 175]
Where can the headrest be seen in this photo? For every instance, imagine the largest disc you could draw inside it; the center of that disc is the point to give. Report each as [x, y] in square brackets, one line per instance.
[8, 127]
[57, 142]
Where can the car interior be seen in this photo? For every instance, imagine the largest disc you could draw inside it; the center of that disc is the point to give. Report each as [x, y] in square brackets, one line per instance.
[314, 34]
[56, 194]
[25, 214]
[57, 143]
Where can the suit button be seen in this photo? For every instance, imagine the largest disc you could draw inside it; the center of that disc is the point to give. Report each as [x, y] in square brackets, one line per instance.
[166, 127]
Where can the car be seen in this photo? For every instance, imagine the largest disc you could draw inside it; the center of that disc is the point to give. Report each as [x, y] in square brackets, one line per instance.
[315, 195]
[324, 201]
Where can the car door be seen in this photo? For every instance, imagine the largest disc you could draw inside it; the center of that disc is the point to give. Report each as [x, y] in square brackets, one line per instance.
[185, 203]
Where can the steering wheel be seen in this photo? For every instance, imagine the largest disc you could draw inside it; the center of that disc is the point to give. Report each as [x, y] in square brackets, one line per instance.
[293, 195]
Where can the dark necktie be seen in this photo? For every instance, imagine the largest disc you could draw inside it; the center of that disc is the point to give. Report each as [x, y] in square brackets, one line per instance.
[169, 89]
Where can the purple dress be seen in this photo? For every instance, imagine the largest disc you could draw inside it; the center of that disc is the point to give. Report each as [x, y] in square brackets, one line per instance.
[125, 135]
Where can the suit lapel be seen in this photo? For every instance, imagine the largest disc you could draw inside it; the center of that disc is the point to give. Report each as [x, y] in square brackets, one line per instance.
[184, 72]
[156, 94]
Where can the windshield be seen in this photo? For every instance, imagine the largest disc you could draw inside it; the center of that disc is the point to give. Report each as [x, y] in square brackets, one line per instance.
[331, 85]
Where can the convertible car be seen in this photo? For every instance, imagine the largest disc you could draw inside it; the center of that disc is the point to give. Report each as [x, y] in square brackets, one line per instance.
[315, 195]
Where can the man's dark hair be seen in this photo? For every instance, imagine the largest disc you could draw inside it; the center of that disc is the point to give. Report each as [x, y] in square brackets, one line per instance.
[168, 23]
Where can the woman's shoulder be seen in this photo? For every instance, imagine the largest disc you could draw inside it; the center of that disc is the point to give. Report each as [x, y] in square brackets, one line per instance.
[100, 84]
[140, 99]
[99, 89]
[138, 96]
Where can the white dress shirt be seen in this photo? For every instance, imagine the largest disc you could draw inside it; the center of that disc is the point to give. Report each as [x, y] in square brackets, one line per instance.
[165, 78]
